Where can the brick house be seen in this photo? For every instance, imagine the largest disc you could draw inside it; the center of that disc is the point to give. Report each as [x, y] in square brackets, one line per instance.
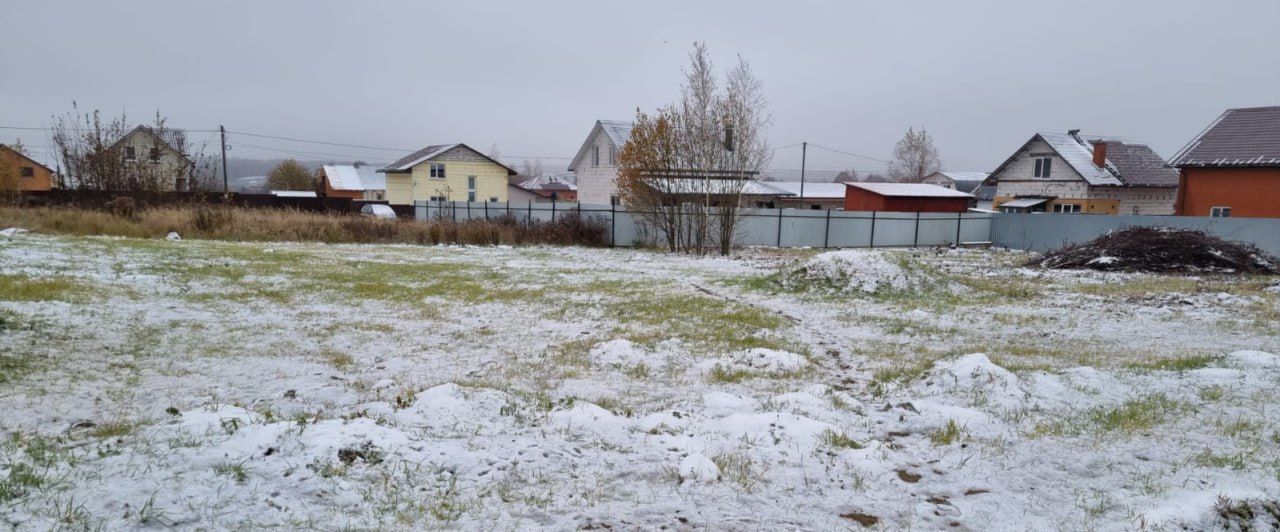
[1071, 173]
[1232, 168]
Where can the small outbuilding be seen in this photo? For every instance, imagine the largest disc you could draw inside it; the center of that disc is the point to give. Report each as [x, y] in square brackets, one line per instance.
[904, 197]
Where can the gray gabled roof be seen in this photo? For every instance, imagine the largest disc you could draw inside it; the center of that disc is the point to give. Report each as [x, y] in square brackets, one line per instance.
[404, 164]
[1239, 137]
[617, 131]
[1128, 163]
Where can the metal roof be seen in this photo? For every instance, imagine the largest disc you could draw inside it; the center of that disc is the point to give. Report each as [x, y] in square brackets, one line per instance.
[717, 186]
[548, 182]
[1079, 155]
[910, 190]
[1022, 203]
[618, 132]
[811, 190]
[1239, 137]
[1128, 163]
[965, 181]
[413, 159]
[351, 177]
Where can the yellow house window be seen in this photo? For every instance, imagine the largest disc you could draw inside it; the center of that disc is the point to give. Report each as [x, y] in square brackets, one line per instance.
[436, 170]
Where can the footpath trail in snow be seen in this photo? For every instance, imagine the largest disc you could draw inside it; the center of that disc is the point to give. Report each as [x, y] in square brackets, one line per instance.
[209, 385]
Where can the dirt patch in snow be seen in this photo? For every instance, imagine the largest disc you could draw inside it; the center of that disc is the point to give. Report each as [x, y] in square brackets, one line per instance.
[856, 271]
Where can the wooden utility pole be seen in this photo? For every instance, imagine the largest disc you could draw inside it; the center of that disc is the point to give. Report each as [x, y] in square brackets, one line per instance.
[226, 188]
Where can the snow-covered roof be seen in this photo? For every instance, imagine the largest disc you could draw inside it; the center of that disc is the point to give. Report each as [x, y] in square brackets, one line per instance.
[1079, 155]
[1128, 163]
[549, 182]
[1022, 203]
[352, 177]
[293, 193]
[717, 186]
[811, 190]
[617, 131]
[1239, 137]
[965, 181]
[912, 190]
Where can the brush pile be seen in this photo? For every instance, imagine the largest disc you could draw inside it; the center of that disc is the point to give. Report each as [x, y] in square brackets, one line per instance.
[1161, 250]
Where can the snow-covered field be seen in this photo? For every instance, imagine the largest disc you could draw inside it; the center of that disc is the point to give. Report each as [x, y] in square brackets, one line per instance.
[220, 385]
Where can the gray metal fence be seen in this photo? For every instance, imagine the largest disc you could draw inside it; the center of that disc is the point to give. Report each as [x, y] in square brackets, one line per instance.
[1042, 232]
[757, 227]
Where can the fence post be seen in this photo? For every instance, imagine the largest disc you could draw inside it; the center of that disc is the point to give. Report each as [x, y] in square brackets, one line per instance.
[486, 211]
[613, 224]
[528, 218]
[453, 210]
[915, 240]
[873, 230]
[508, 206]
[553, 209]
[779, 226]
[826, 233]
[959, 220]
[468, 210]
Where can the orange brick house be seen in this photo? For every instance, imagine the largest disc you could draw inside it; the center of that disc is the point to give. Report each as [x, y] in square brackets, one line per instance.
[32, 176]
[1232, 168]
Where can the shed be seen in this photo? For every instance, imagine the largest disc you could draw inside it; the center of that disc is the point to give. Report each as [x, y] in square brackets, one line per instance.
[904, 197]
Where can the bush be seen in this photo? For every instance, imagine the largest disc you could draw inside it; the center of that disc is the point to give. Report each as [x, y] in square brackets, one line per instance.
[1161, 250]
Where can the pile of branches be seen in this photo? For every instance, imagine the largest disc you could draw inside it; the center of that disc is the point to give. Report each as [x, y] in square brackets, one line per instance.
[1161, 250]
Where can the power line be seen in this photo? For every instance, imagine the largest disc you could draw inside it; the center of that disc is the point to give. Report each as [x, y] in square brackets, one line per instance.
[293, 152]
[326, 143]
[851, 154]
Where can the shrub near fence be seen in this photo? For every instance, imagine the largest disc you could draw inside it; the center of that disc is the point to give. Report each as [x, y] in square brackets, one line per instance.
[94, 199]
[757, 227]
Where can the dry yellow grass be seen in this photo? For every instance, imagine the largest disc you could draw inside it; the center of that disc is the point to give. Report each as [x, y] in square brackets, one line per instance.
[242, 224]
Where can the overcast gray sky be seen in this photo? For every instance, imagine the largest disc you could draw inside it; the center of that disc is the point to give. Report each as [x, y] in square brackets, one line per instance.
[531, 77]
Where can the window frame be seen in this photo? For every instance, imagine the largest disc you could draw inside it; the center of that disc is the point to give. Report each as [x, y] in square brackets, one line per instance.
[130, 154]
[436, 171]
[27, 172]
[1068, 208]
[471, 188]
[153, 154]
[1043, 166]
[613, 155]
[1220, 211]
[595, 155]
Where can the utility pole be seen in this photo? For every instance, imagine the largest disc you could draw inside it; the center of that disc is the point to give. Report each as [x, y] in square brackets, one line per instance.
[226, 189]
[804, 152]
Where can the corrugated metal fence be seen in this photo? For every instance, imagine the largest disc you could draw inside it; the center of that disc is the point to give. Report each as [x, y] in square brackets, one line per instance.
[757, 227]
[1042, 232]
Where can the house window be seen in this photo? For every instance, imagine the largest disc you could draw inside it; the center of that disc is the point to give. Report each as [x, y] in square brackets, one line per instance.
[615, 201]
[1070, 208]
[436, 170]
[595, 155]
[1042, 167]
[493, 199]
[471, 188]
[154, 154]
[438, 199]
[28, 172]
[613, 156]
[1219, 212]
[130, 154]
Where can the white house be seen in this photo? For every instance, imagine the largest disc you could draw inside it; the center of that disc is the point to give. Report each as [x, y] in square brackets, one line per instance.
[1071, 173]
[596, 163]
[156, 158]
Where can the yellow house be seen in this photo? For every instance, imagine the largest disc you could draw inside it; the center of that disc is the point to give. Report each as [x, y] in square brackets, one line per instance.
[446, 172]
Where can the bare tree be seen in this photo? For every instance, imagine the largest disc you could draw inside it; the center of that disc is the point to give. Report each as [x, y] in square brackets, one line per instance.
[530, 169]
[685, 168]
[846, 176]
[914, 158]
[94, 154]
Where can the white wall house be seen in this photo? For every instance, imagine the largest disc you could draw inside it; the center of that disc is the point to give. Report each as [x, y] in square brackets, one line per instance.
[596, 163]
[1070, 173]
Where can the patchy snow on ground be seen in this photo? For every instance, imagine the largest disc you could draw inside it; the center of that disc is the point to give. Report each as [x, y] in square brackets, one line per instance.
[209, 385]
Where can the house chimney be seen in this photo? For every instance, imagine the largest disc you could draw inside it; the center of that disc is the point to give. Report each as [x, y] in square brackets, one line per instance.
[1100, 153]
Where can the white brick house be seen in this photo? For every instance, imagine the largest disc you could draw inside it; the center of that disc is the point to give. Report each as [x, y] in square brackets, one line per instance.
[1070, 173]
[596, 163]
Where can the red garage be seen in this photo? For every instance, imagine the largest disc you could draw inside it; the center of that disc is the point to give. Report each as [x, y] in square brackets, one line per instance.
[904, 197]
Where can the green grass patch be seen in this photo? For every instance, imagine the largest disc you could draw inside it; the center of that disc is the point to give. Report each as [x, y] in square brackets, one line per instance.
[1128, 418]
[1182, 363]
[14, 287]
[838, 440]
[947, 434]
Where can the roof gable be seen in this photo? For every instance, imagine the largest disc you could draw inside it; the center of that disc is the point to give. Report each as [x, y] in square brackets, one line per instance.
[1127, 164]
[617, 131]
[168, 137]
[6, 147]
[1239, 137]
[407, 162]
[352, 177]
